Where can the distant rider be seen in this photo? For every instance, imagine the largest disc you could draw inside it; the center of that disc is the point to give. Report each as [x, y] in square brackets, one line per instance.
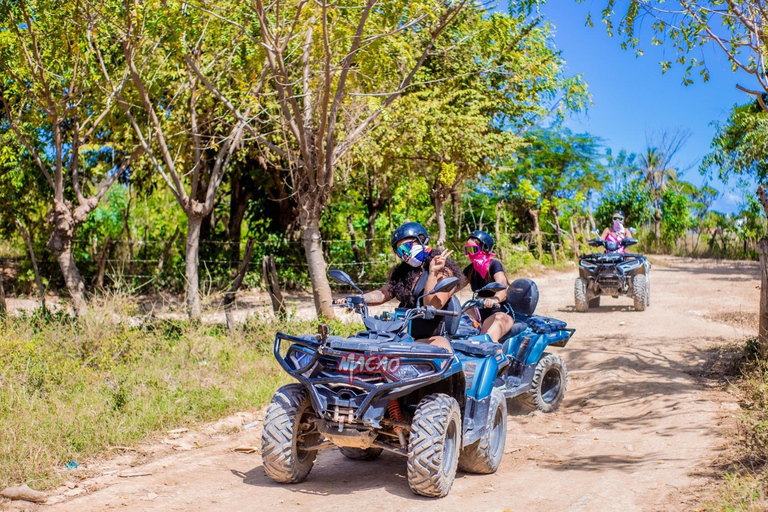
[419, 271]
[617, 231]
[496, 315]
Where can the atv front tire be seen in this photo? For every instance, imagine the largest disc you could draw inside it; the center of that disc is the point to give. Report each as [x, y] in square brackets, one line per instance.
[361, 453]
[550, 381]
[580, 294]
[433, 445]
[639, 292]
[284, 434]
[484, 455]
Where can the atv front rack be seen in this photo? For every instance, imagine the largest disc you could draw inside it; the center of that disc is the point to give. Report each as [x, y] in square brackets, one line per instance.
[376, 391]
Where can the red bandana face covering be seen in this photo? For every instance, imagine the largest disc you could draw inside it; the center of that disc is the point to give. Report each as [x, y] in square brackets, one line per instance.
[481, 261]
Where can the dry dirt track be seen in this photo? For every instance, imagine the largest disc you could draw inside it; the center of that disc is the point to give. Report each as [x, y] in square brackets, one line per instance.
[637, 431]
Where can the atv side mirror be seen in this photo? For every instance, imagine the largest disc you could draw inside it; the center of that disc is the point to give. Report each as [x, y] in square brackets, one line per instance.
[490, 289]
[633, 231]
[343, 277]
[444, 285]
[596, 233]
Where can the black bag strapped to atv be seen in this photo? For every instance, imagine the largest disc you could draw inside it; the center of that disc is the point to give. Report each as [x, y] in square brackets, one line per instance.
[544, 324]
[523, 296]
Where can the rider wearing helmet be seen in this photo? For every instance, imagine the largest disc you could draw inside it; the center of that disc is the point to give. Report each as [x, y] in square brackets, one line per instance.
[496, 316]
[616, 232]
[420, 269]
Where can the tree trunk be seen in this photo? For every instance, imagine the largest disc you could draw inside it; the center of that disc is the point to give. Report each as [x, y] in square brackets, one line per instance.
[353, 240]
[167, 250]
[657, 224]
[576, 250]
[242, 187]
[38, 280]
[3, 306]
[194, 309]
[536, 232]
[60, 244]
[229, 298]
[497, 228]
[762, 333]
[556, 215]
[553, 251]
[456, 203]
[72, 277]
[103, 257]
[439, 204]
[269, 272]
[313, 249]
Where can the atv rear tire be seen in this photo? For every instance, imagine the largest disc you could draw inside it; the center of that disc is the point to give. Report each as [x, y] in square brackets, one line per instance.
[484, 455]
[433, 445]
[580, 294]
[284, 460]
[594, 302]
[639, 291]
[361, 453]
[550, 381]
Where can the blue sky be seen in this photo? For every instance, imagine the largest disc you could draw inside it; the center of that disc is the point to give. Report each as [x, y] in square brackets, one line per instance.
[632, 97]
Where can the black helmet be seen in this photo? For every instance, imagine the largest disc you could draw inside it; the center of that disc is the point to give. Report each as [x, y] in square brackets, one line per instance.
[409, 230]
[486, 240]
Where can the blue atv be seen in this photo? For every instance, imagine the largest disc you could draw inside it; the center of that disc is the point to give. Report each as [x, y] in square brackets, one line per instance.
[379, 390]
[533, 377]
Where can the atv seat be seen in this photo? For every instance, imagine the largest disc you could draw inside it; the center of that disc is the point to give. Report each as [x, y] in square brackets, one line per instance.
[518, 327]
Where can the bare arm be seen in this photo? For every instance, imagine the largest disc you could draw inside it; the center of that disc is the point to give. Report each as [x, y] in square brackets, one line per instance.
[501, 277]
[437, 271]
[605, 233]
[380, 296]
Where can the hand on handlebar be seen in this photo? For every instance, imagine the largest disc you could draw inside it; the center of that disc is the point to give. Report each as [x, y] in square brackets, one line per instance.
[342, 301]
[490, 303]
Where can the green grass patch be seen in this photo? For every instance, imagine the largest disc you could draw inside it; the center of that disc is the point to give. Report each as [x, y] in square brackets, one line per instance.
[70, 389]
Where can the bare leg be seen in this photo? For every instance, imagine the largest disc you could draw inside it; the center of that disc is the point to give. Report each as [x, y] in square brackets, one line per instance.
[438, 341]
[497, 325]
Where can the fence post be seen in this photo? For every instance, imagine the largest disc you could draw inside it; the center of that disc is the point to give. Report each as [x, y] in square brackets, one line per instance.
[273, 287]
[553, 251]
[762, 333]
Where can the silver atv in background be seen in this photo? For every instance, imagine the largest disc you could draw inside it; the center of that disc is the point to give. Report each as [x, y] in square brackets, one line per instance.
[612, 273]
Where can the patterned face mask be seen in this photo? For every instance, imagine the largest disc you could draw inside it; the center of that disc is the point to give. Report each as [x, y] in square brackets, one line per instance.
[412, 253]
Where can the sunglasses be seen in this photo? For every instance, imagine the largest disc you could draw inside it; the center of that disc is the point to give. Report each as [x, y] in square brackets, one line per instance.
[404, 250]
[616, 217]
[471, 249]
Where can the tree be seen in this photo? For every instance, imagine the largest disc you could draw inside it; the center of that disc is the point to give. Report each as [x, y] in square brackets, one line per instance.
[656, 171]
[735, 27]
[323, 60]
[171, 54]
[564, 168]
[634, 200]
[63, 114]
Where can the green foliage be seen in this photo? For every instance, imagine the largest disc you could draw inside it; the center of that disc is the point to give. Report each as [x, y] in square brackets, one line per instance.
[740, 146]
[73, 388]
[675, 216]
[634, 201]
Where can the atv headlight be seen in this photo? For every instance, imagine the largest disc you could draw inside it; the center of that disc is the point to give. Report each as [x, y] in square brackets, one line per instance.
[629, 266]
[410, 371]
[587, 264]
[298, 358]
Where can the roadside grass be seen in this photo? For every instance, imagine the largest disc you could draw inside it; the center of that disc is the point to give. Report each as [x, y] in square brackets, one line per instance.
[745, 481]
[72, 388]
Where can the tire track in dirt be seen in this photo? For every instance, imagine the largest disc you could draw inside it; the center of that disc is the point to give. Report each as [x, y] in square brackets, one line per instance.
[637, 430]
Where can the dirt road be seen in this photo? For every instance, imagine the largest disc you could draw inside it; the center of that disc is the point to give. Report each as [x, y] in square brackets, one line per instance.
[638, 429]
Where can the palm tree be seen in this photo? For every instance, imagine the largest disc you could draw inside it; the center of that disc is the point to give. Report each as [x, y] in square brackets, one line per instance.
[656, 169]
